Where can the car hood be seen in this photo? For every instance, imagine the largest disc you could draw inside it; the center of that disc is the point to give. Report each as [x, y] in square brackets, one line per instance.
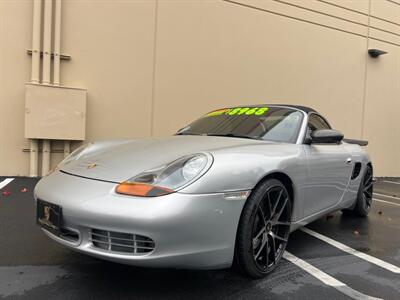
[120, 160]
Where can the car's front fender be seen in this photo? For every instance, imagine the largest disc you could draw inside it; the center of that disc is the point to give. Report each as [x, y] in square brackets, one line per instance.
[242, 169]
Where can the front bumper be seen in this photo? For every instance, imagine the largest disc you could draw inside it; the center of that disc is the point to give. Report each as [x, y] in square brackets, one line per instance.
[189, 231]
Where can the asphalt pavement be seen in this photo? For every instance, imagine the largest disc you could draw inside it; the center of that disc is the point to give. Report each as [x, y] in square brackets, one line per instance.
[336, 257]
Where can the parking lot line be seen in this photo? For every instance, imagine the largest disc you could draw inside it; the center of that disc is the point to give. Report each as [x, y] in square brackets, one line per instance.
[388, 202]
[326, 278]
[388, 181]
[5, 182]
[352, 251]
[391, 197]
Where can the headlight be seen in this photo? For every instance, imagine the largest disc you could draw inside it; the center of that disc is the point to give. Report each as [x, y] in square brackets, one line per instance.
[166, 179]
[74, 155]
[193, 166]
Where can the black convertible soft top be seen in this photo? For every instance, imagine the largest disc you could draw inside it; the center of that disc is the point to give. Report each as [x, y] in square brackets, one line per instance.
[309, 109]
[357, 142]
[303, 108]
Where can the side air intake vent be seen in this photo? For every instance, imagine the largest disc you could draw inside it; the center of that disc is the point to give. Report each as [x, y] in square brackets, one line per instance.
[356, 170]
[69, 235]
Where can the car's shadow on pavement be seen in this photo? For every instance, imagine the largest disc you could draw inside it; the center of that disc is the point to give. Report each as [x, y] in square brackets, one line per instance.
[104, 279]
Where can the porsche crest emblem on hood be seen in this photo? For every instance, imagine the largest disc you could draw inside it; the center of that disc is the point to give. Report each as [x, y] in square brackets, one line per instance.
[91, 166]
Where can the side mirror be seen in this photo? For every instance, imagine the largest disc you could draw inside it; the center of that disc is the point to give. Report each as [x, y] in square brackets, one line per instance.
[326, 136]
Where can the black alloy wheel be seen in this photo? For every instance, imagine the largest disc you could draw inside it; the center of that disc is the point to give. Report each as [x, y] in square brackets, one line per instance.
[367, 188]
[364, 196]
[264, 229]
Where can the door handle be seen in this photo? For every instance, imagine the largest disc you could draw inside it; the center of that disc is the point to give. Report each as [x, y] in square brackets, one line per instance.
[348, 161]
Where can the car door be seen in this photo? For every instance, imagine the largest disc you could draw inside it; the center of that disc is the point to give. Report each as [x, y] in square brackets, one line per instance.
[328, 170]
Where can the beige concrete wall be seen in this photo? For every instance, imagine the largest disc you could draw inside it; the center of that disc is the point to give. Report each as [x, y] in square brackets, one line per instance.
[382, 101]
[15, 66]
[152, 66]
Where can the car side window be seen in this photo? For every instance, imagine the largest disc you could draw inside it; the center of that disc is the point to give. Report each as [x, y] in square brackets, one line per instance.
[316, 122]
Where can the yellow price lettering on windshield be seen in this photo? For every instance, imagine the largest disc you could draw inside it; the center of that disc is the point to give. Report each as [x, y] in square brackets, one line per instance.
[237, 111]
[217, 112]
[261, 111]
[248, 111]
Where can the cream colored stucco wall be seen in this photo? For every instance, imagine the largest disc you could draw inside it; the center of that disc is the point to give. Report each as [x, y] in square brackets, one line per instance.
[150, 66]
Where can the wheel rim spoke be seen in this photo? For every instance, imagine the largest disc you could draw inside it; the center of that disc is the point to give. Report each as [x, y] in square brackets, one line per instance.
[262, 214]
[266, 254]
[260, 233]
[277, 237]
[279, 223]
[369, 178]
[264, 242]
[368, 194]
[273, 249]
[278, 215]
[368, 186]
[269, 205]
[276, 202]
[367, 200]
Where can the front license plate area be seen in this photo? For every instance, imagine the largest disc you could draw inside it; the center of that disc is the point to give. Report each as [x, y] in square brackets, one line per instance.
[48, 216]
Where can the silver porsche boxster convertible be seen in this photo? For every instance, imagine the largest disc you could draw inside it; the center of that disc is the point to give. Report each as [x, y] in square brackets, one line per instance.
[226, 189]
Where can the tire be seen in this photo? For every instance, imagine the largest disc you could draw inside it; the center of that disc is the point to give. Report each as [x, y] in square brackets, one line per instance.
[263, 229]
[364, 196]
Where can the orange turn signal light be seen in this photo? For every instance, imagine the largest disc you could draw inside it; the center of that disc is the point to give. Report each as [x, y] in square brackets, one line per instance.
[141, 189]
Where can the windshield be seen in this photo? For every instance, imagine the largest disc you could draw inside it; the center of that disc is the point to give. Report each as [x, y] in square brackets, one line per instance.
[279, 124]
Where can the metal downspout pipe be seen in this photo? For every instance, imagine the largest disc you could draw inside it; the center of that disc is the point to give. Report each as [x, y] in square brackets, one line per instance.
[46, 68]
[57, 43]
[46, 73]
[35, 77]
[57, 53]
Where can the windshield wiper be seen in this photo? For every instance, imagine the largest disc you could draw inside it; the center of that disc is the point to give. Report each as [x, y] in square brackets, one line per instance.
[234, 135]
[182, 133]
[218, 134]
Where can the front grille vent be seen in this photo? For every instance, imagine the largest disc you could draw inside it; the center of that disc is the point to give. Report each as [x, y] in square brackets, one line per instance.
[121, 242]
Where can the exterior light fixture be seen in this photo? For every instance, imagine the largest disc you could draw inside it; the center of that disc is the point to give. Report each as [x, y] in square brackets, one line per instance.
[374, 53]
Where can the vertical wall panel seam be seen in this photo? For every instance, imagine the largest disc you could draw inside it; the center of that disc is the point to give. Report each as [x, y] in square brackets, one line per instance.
[153, 84]
[365, 72]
